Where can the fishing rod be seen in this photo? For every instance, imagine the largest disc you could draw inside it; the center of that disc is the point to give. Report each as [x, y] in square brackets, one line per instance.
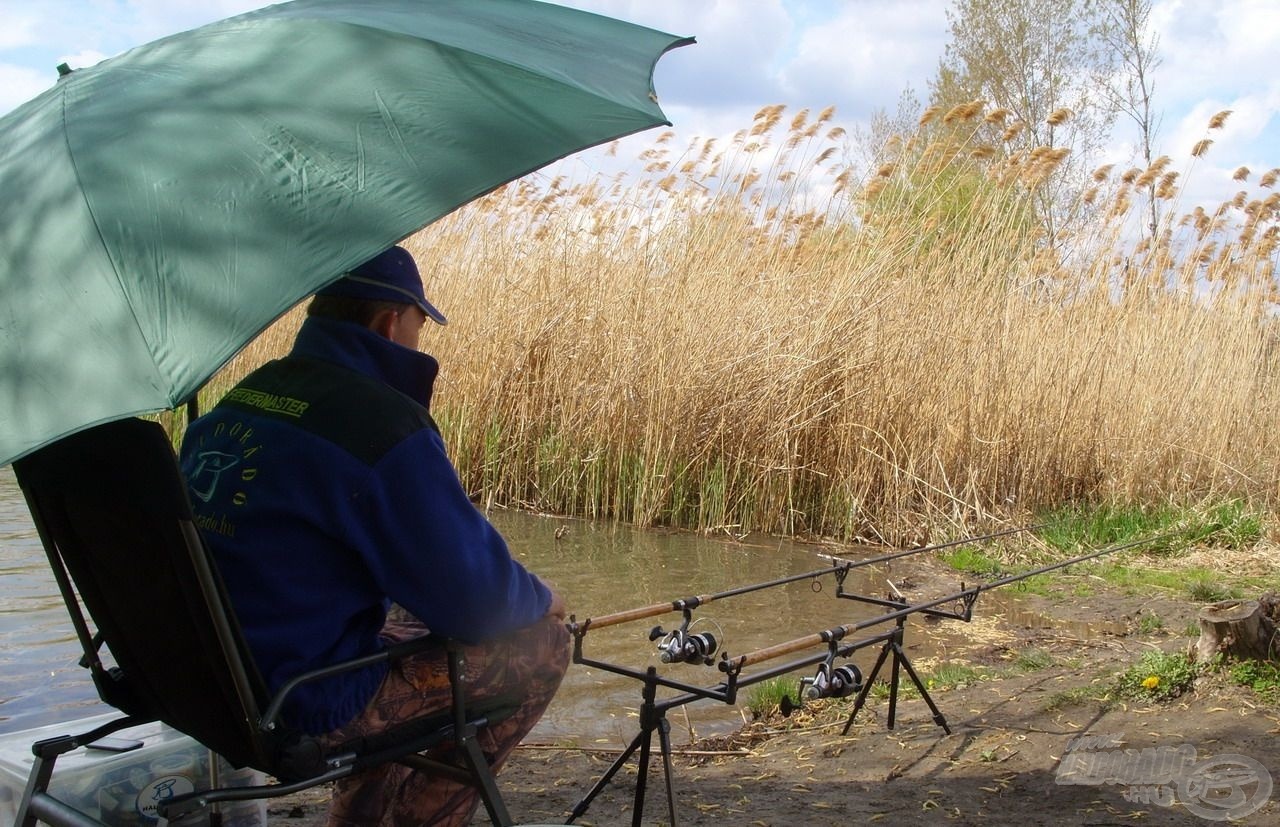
[900, 609]
[679, 646]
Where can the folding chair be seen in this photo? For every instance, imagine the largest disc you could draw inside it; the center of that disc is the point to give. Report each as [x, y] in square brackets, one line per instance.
[111, 509]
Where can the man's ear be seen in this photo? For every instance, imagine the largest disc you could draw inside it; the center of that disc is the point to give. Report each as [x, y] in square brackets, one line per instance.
[383, 322]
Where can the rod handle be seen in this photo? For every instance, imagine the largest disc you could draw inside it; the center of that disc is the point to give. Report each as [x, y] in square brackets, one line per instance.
[780, 649]
[627, 616]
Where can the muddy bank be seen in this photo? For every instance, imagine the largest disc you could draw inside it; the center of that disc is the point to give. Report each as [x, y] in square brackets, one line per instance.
[1007, 761]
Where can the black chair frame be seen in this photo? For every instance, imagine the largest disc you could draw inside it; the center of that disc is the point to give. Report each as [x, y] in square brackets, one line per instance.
[111, 509]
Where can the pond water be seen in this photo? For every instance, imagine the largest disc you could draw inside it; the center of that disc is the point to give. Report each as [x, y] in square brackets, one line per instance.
[599, 568]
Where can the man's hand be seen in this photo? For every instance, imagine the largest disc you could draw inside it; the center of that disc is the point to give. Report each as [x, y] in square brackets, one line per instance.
[557, 609]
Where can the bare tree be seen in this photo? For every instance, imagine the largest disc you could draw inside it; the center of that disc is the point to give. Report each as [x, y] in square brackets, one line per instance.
[874, 140]
[1133, 87]
[1041, 60]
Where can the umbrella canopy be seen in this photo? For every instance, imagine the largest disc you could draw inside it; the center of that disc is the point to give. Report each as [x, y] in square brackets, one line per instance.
[163, 207]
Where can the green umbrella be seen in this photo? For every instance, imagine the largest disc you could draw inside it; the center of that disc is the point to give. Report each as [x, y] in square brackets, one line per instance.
[163, 207]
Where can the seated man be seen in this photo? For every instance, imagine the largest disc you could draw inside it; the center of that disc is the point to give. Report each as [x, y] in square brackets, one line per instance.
[322, 487]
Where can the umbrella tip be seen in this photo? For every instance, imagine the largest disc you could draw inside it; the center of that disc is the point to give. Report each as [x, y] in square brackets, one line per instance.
[63, 70]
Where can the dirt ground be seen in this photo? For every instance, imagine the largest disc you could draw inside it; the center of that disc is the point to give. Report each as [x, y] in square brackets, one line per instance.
[1014, 747]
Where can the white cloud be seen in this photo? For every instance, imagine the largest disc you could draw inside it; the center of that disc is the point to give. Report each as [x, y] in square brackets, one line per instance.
[716, 85]
[83, 59]
[20, 27]
[19, 84]
[865, 57]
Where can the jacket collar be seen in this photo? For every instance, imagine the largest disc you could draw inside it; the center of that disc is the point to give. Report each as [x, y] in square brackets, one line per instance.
[355, 347]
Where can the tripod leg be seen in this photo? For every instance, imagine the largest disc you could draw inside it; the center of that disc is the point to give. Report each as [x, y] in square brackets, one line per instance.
[938, 719]
[608, 776]
[642, 774]
[664, 738]
[866, 688]
[894, 681]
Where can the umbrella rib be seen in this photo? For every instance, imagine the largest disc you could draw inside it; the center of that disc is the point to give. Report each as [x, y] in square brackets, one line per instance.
[97, 230]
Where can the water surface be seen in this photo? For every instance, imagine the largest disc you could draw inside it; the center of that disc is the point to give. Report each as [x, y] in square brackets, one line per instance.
[599, 568]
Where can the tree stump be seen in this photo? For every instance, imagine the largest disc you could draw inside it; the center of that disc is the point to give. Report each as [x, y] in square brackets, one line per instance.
[1240, 629]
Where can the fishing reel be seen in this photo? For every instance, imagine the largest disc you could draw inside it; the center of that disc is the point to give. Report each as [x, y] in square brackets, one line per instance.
[681, 646]
[830, 681]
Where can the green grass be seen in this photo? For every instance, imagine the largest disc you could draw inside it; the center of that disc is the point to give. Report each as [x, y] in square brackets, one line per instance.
[765, 698]
[1158, 676]
[1078, 528]
[1149, 623]
[1209, 588]
[1076, 696]
[1197, 584]
[1033, 660]
[973, 560]
[1231, 525]
[953, 675]
[1260, 676]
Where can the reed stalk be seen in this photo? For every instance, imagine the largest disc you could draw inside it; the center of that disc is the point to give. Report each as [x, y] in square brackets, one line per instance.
[753, 336]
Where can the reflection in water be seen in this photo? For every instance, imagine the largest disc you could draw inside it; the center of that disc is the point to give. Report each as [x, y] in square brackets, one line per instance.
[599, 568]
[40, 682]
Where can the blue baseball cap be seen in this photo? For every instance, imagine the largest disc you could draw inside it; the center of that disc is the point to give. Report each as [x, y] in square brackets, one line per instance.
[390, 276]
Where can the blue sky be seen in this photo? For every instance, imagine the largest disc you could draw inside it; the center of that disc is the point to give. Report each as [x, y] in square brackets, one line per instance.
[857, 55]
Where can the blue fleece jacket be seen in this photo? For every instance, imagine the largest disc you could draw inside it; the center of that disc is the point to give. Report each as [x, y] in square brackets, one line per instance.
[322, 487]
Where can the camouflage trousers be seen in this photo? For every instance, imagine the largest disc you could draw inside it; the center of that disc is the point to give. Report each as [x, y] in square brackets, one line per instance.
[526, 665]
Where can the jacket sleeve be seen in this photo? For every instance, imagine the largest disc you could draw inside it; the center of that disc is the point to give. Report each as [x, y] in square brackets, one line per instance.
[433, 552]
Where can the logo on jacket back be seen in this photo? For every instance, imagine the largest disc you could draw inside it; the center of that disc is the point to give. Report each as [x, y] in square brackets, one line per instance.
[210, 466]
[222, 458]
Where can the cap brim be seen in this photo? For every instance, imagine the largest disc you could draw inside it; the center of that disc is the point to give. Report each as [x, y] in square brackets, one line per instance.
[432, 314]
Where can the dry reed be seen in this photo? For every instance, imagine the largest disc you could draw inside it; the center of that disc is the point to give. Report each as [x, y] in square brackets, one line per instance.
[752, 336]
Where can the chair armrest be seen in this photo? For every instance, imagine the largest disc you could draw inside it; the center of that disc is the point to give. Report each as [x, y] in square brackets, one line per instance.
[392, 653]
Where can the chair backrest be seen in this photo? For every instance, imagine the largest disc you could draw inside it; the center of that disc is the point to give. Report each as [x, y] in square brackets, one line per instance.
[112, 511]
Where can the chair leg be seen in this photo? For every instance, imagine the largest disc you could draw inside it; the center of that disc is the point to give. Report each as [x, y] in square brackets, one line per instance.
[481, 773]
[37, 783]
[38, 805]
[484, 780]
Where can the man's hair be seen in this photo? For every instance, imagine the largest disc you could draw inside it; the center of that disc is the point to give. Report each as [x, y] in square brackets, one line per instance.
[346, 309]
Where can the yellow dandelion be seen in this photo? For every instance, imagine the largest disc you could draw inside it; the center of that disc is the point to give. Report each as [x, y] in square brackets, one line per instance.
[1151, 682]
